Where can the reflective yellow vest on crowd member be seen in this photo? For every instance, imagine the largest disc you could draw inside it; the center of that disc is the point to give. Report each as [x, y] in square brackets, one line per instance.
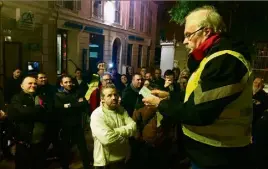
[92, 85]
[233, 127]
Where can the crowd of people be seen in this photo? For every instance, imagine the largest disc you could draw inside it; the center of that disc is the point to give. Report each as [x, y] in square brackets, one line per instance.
[43, 114]
[203, 113]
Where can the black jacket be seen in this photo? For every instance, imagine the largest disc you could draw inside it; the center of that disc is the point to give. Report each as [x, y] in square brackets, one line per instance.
[258, 109]
[174, 91]
[221, 71]
[260, 142]
[81, 88]
[2, 102]
[11, 87]
[47, 93]
[131, 100]
[159, 83]
[71, 116]
[23, 111]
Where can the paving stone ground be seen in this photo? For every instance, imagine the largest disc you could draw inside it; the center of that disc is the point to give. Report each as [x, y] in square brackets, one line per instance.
[76, 163]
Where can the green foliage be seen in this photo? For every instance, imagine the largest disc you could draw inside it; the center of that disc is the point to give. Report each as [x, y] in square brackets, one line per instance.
[182, 8]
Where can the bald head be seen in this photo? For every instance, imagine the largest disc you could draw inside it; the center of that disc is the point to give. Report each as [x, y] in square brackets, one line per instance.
[29, 85]
[257, 85]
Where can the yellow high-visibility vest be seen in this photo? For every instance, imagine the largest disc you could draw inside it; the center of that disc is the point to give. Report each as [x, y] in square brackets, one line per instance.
[233, 127]
[92, 85]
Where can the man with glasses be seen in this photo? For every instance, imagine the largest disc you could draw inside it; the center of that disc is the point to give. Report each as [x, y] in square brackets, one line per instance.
[95, 96]
[217, 109]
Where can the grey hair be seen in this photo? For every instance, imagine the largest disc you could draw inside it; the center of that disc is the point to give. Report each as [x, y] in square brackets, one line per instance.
[208, 16]
[105, 74]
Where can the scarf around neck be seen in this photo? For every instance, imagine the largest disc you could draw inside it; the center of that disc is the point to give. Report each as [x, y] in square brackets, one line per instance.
[199, 53]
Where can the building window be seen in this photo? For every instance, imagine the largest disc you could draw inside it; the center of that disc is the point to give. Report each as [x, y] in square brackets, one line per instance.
[117, 11]
[68, 4]
[131, 14]
[129, 54]
[61, 51]
[72, 5]
[97, 8]
[139, 56]
[142, 16]
[150, 21]
[148, 56]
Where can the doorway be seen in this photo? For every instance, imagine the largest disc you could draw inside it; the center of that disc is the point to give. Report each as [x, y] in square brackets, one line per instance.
[116, 52]
[12, 57]
[95, 50]
[62, 55]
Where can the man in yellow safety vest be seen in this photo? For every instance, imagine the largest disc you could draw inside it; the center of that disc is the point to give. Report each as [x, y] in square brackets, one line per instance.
[217, 111]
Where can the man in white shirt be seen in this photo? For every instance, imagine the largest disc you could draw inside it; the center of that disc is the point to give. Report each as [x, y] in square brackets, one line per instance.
[111, 127]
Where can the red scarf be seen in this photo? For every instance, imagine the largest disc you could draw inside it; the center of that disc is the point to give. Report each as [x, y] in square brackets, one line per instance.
[199, 53]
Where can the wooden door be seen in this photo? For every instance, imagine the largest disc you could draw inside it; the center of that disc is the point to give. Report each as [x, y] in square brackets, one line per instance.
[12, 57]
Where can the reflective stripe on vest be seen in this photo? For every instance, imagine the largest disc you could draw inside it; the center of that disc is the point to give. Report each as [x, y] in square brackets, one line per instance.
[233, 127]
[92, 85]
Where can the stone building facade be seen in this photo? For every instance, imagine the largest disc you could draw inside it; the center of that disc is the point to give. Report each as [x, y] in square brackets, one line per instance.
[57, 36]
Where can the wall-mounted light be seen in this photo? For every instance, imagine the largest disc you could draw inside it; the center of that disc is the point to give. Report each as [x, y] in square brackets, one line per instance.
[8, 39]
[111, 65]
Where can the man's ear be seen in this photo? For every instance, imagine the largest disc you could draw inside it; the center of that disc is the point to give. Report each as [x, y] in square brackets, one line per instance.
[208, 32]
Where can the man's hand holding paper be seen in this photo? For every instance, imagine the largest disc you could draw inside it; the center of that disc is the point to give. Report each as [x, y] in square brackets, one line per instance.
[153, 97]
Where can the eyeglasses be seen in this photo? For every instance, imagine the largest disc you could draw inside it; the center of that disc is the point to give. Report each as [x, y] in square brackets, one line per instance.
[107, 80]
[189, 35]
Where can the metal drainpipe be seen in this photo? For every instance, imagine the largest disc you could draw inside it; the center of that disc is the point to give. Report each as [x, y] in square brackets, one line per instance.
[1, 44]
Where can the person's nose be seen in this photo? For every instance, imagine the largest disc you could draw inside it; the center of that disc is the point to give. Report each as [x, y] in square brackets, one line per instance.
[185, 41]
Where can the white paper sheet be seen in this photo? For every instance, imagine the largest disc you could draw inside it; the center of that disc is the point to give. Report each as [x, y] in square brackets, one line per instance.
[145, 92]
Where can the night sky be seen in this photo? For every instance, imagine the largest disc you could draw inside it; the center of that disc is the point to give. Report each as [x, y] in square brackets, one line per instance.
[246, 20]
